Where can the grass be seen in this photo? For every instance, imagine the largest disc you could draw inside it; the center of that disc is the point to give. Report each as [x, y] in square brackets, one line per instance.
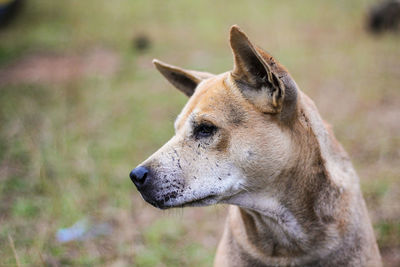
[67, 144]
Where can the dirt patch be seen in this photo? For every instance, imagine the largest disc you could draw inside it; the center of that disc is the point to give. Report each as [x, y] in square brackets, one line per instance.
[391, 256]
[49, 68]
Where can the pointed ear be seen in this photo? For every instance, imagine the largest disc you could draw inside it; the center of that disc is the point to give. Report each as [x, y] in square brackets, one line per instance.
[254, 75]
[185, 81]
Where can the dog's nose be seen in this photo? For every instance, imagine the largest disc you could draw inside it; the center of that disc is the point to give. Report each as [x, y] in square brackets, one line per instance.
[139, 175]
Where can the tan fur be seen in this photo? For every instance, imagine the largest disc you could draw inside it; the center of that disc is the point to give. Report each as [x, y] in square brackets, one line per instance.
[294, 195]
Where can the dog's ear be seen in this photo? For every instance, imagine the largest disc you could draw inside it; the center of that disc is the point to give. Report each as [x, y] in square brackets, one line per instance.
[258, 76]
[185, 81]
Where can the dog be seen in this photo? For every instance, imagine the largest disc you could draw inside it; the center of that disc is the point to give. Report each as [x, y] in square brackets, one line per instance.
[252, 139]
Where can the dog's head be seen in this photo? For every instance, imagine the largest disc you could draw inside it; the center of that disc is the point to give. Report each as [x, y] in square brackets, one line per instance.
[232, 136]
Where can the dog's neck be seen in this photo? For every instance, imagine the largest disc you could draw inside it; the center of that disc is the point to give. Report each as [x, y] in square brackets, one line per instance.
[285, 218]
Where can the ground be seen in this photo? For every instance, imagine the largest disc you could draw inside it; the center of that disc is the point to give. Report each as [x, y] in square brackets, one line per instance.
[81, 105]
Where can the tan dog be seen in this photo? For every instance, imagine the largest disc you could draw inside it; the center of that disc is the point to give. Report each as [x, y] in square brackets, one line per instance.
[251, 138]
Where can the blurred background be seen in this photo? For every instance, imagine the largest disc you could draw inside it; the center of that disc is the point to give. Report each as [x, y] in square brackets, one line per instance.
[81, 105]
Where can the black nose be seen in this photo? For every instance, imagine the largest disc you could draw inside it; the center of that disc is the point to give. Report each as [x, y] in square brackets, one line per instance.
[139, 175]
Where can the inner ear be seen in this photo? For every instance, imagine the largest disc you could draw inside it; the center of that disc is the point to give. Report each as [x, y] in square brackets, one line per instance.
[249, 66]
[187, 84]
[254, 75]
[184, 80]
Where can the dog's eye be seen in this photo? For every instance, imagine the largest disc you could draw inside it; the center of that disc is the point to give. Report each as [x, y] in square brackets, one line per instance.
[204, 130]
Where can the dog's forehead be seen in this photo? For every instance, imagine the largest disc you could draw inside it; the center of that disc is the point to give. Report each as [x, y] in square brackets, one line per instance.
[210, 99]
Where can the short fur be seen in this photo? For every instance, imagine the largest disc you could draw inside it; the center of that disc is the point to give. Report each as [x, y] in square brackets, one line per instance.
[294, 195]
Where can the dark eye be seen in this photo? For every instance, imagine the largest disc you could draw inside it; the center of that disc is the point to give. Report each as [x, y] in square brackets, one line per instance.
[204, 130]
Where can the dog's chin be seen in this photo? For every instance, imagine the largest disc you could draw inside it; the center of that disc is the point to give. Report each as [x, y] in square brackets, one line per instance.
[199, 202]
[181, 203]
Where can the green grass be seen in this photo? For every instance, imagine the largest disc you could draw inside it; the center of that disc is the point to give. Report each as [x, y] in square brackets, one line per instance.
[67, 146]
